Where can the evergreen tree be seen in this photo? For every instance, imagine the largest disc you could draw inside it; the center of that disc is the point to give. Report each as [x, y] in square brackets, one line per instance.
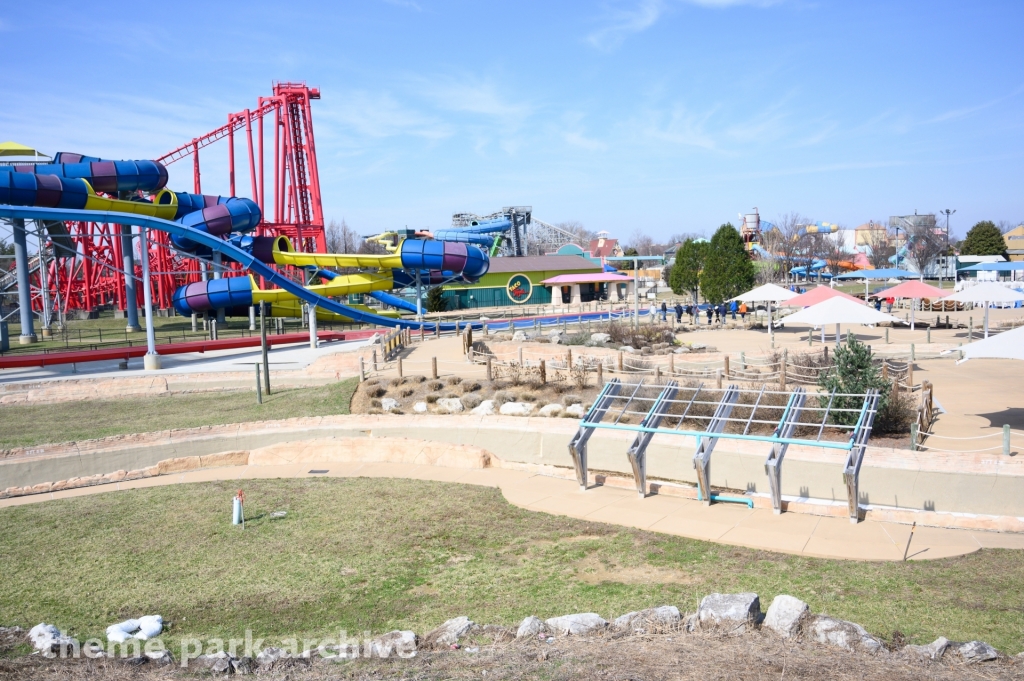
[685, 276]
[436, 301]
[984, 239]
[728, 270]
[853, 373]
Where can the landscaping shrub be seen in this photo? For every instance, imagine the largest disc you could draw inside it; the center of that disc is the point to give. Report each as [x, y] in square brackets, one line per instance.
[854, 373]
[503, 396]
[569, 400]
[470, 387]
[454, 380]
[435, 385]
[432, 398]
[471, 401]
[376, 391]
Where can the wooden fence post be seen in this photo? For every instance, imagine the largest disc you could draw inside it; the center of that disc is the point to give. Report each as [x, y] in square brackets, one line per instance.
[400, 366]
[725, 361]
[433, 368]
[600, 374]
[543, 373]
[490, 376]
[620, 362]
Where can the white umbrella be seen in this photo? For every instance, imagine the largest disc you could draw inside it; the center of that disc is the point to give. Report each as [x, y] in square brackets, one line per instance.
[839, 310]
[767, 293]
[987, 293]
[1007, 345]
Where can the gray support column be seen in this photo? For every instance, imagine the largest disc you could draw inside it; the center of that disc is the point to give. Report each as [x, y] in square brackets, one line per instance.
[131, 308]
[28, 334]
[151, 361]
[217, 275]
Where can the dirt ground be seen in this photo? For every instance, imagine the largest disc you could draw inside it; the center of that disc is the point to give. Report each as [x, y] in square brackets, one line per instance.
[619, 657]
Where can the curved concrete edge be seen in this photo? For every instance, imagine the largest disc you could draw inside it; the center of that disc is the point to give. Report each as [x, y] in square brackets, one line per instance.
[527, 486]
[898, 486]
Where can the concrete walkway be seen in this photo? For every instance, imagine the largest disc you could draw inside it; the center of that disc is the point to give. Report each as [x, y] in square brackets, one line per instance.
[724, 523]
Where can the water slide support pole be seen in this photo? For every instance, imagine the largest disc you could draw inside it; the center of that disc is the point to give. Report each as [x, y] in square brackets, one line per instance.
[217, 275]
[263, 346]
[152, 360]
[419, 298]
[131, 306]
[28, 334]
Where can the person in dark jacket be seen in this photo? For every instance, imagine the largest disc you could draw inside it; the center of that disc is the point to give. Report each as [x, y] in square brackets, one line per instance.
[679, 313]
[711, 313]
[664, 311]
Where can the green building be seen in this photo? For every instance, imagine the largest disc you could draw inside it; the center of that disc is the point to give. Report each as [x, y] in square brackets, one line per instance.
[517, 281]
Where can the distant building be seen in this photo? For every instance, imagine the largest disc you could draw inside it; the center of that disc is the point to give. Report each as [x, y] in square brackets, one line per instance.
[1015, 243]
[603, 247]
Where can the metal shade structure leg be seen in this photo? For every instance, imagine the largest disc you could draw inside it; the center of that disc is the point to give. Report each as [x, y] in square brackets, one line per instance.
[637, 452]
[578, 444]
[706, 444]
[785, 429]
[855, 457]
[151, 361]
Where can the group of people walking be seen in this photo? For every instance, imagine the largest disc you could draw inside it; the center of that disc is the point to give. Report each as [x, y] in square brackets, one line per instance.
[716, 314]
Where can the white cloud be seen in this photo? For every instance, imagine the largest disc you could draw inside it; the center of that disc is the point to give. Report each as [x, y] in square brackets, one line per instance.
[379, 115]
[621, 23]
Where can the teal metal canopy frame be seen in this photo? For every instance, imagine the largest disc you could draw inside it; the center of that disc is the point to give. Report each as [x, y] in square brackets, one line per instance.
[656, 405]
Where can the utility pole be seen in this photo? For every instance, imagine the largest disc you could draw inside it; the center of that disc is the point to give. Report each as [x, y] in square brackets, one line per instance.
[947, 212]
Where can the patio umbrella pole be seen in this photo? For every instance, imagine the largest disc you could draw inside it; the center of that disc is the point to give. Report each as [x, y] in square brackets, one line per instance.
[986, 319]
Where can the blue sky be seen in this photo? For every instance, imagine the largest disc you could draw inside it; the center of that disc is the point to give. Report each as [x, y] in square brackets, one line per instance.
[660, 115]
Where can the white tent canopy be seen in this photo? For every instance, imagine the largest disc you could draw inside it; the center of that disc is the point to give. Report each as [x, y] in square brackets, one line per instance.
[1007, 345]
[986, 294]
[766, 293]
[838, 310]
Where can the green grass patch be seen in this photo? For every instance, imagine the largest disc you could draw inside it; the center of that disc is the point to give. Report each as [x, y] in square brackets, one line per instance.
[371, 554]
[27, 425]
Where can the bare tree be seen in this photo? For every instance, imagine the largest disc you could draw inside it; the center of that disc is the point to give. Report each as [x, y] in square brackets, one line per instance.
[786, 242]
[835, 251]
[882, 245]
[644, 243]
[925, 246]
[341, 238]
[581, 235]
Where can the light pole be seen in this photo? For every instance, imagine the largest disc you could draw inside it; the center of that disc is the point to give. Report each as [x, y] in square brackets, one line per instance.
[947, 212]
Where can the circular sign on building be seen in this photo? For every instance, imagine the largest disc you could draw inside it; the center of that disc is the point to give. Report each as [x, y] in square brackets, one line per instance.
[519, 288]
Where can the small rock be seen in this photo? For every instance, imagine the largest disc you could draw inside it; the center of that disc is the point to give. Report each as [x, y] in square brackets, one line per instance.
[555, 340]
[932, 651]
[785, 615]
[401, 643]
[485, 408]
[531, 627]
[628, 349]
[650, 620]
[516, 408]
[848, 635]
[388, 403]
[977, 651]
[449, 633]
[682, 350]
[244, 665]
[698, 346]
[47, 638]
[451, 405]
[646, 350]
[580, 623]
[575, 410]
[268, 656]
[520, 336]
[733, 613]
[600, 337]
[550, 410]
[222, 666]
[420, 407]
[161, 658]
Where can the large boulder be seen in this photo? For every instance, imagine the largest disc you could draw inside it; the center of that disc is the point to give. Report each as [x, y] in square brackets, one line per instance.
[388, 403]
[932, 651]
[842, 634]
[785, 615]
[449, 633]
[485, 408]
[516, 408]
[730, 613]
[531, 627]
[400, 643]
[977, 651]
[600, 337]
[450, 405]
[550, 410]
[420, 407]
[649, 621]
[578, 624]
[520, 336]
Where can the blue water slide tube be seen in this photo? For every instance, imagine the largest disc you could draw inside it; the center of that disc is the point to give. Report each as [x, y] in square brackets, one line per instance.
[103, 175]
[393, 301]
[474, 233]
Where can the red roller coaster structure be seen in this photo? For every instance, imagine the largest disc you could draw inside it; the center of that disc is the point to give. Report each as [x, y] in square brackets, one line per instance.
[90, 276]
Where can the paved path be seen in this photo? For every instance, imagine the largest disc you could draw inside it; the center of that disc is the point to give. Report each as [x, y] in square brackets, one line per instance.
[806, 535]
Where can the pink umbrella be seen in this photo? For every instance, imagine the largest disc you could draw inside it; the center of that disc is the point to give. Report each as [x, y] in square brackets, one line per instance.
[817, 295]
[913, 289]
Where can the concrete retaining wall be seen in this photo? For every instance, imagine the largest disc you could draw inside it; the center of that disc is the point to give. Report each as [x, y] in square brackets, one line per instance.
[957, 483]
